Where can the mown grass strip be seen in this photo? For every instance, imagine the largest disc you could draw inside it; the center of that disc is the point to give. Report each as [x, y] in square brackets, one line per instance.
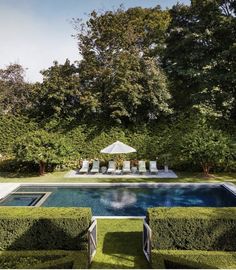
[120, 245]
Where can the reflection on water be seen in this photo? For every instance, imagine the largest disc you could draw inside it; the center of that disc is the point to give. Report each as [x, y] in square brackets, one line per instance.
[118, 199]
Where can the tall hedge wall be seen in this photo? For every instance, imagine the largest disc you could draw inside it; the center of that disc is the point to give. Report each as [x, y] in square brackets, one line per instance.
[12, 127]
[193, 228]
[38, 228]
[151, 142]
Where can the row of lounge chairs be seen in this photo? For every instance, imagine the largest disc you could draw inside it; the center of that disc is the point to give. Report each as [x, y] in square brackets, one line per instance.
[112, 167]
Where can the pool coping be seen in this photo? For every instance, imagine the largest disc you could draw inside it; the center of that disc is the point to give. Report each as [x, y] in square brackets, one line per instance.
[229, 185]
[7, 188]
[118, 184]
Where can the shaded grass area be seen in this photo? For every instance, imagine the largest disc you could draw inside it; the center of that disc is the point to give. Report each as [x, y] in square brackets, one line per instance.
[120, 245]
[193, 259]
[184, 177]
[43, 259]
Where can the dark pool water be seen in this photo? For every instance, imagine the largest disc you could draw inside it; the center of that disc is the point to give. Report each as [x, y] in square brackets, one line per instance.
[126, 201]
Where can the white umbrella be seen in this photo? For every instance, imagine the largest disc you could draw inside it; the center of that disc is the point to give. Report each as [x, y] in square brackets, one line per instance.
[118, 148]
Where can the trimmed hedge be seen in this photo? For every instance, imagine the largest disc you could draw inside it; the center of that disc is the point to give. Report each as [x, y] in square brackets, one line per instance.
[55, 259]
[193, 228]
[38, 228]
[185, 259]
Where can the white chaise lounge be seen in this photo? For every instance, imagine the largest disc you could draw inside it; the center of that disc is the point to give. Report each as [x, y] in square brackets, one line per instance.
[142, 166]
[153, 167]
[111, 167]
[95, 167]
[126, 167]
[85, 167]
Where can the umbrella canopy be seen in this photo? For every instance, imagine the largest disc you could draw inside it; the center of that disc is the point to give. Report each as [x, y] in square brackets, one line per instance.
[118, 148]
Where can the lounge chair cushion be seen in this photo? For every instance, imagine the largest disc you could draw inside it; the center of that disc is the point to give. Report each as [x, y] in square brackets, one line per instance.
[142, 166]
[111, 166]
[95, 168]
[153, 166]
[85, 167]
[126, 166]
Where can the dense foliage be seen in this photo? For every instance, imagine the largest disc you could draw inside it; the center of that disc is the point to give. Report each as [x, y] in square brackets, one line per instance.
[11, 128]
[160, 80]
[120, 80]
[200, 56]
[196, 237]
[43, 148]
[15, 93]
[194, 228]
[206, 147]
[59, 93]
[42, 228]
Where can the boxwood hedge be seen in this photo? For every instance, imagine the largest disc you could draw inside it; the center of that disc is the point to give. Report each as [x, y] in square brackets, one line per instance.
[193, 228]
[185, 259]
[53, 259]
[38, 228]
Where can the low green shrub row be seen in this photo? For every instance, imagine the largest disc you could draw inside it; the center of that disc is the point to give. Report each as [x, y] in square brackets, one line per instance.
[53, 259]
[38, 228]
[193, 228]
[199, 259]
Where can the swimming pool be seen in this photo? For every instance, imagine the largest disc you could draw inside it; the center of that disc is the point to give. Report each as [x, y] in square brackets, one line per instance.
[122, 200]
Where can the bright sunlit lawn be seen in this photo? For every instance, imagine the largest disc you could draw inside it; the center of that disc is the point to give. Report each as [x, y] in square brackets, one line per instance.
[184, 177]
[120, 245]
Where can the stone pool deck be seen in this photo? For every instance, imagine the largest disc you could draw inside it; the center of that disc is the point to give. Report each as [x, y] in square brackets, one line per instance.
[7, 188]
[161, 174]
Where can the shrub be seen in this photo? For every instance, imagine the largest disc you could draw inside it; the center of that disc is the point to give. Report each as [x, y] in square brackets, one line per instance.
[34, 228]
[193, 228]
[50, 259]
[206, 147]
[199, 259]
[13, 165]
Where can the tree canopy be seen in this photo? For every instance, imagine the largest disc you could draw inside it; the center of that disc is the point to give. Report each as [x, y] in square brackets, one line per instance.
[15, 92]
[59, 93]
[200, 56]
[43, 148]
[120, 74]
[146, 75]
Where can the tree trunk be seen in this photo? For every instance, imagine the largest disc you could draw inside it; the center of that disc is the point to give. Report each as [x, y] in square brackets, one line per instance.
[206, 169]
[41, 168]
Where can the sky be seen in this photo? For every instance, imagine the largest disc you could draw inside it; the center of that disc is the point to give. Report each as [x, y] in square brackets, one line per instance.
[34, 33]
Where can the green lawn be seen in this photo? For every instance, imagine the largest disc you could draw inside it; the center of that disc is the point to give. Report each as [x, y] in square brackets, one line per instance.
[59, 177]
[120, 245]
